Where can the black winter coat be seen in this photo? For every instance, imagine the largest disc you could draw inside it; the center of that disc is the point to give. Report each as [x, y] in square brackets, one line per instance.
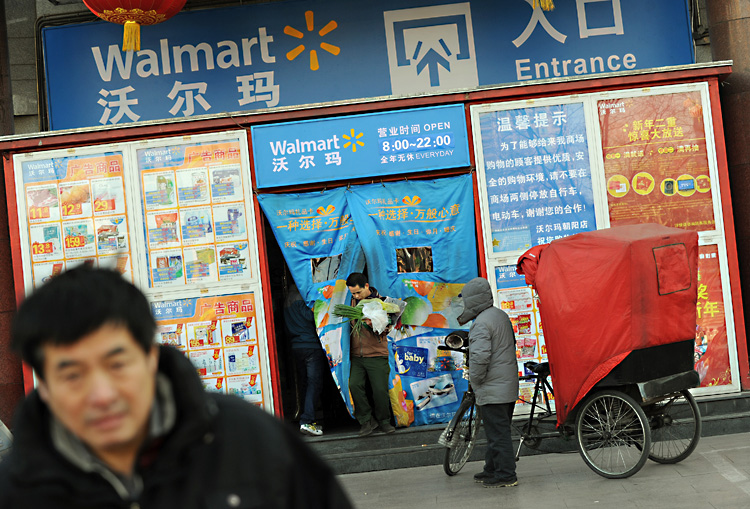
[222, 453]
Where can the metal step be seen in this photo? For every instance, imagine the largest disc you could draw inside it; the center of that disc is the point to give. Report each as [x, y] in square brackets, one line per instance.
[348, 453]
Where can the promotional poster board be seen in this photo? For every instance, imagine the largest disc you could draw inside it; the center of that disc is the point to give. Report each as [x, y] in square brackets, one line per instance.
[196, 222]
[649, 158]
[73, 209]
[220, 336]
[289, 53]
[175, 217]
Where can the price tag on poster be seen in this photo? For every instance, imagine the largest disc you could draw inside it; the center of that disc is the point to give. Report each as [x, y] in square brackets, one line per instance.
[196, 221]
[220, 337]
[656, 161]
[74, 210]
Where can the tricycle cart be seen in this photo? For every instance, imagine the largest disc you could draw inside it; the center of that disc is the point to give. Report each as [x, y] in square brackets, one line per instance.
[618, 308]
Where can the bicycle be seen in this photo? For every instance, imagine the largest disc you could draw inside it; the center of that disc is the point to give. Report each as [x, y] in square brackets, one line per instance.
[461, 433]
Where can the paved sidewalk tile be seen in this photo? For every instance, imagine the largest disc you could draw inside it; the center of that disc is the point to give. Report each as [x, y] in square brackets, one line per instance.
[716, 475]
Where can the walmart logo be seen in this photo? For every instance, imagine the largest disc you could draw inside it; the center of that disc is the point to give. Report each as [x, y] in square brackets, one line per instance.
[297, 51]
[353, 140]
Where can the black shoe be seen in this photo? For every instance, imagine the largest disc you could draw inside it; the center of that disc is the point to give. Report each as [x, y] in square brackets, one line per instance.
[367, 428]
[482, 476]
[386, 427]
[498, 483]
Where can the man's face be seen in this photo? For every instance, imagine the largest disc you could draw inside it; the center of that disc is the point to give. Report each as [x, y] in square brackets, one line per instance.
[101, 388]
[359, 292]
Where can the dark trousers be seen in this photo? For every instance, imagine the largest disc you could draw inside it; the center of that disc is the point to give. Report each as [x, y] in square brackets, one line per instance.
[376, 369]
[311, 367]
[499, 461]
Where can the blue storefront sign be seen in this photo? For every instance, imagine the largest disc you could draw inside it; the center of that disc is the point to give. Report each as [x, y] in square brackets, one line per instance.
[537, 175]
[290, 53]
[345, 148]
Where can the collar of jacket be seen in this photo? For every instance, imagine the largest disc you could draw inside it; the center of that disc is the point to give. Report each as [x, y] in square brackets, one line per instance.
[34, 449]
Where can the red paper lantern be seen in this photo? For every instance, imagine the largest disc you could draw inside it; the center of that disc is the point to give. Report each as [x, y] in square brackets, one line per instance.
[133, 14]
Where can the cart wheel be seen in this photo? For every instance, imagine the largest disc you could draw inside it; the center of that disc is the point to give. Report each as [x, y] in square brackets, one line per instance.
[464, 435]
[613, 434]
[675, 427]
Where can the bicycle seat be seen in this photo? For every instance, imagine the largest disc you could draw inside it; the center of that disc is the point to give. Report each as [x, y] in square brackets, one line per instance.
[540, 368]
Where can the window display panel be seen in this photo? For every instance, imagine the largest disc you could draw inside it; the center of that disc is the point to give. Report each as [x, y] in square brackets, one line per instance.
[220, 337]
[196, 222]
[74, 211]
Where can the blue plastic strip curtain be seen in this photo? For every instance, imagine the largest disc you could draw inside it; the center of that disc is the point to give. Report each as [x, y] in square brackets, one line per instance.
[417, 241]
[320, 246]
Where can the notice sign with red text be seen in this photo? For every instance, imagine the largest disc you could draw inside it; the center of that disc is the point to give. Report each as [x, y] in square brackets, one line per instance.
[656, 161]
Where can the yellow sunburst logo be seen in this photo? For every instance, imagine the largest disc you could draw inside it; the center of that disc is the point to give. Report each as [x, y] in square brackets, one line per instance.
[353, 140]
[309, 21]
[411, 200]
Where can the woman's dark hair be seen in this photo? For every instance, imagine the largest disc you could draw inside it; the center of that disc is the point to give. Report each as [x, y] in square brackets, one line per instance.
[75, 304]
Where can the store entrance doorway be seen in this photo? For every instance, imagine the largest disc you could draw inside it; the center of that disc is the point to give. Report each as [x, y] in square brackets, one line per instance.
[332, 413]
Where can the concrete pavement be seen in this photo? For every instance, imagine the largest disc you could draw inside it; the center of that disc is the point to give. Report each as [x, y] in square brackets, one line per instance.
[716, 475]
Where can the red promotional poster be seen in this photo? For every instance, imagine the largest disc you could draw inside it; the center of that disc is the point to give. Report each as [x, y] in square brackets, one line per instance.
[656, 161]
[711, 345]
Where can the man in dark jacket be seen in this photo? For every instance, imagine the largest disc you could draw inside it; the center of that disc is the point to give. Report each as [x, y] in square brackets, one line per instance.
[119, 422]
[309, 358]
[493, 373]
[369, 360]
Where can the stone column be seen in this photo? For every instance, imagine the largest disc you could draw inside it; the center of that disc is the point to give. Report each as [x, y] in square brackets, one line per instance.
[11, 377]
[729, 29]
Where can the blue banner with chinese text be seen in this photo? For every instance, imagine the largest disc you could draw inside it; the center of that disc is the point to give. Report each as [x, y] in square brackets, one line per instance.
[537, 174]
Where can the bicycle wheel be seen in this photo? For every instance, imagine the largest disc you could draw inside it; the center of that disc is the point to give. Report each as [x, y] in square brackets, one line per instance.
[462, 437]
[613, 434]
[675, 427]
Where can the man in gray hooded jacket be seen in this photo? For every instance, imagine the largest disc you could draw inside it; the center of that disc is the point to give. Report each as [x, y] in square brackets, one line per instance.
[493, 371]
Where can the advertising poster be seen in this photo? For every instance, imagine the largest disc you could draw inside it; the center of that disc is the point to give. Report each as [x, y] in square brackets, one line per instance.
[220, 337]
[656, 161]
[76, 213]
[711, 341]
[537, 175]
[521, 305]
[195, 219]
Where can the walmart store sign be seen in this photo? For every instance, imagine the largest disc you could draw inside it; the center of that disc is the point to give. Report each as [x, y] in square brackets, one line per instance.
[306, 52]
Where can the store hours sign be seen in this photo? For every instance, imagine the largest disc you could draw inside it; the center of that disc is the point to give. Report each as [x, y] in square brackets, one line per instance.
[357, 146]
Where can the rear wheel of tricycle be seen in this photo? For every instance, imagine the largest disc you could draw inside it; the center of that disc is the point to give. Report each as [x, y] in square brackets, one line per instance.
[613, 434]
[675, 427]
[464, 435]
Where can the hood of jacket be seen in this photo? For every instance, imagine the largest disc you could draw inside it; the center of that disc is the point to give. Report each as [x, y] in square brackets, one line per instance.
[477, 296]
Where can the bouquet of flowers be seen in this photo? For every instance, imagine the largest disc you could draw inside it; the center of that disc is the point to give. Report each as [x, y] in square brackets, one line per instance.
[376, 313]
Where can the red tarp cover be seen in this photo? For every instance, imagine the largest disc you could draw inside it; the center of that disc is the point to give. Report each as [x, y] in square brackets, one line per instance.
[606, 293]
